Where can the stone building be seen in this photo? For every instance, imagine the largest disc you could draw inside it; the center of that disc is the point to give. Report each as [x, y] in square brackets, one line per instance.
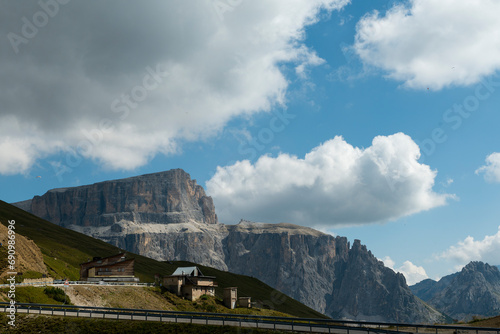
[190, 283]
[230, 297]
[245, 302]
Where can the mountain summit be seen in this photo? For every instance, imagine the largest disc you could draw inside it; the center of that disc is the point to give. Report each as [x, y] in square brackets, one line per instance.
[474, 291]
[163, 198]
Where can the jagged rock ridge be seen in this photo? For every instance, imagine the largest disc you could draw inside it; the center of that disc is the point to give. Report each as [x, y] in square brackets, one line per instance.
[167, 216]
[474, 291]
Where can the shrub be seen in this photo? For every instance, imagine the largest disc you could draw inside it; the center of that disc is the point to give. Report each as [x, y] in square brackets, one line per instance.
[57, 294]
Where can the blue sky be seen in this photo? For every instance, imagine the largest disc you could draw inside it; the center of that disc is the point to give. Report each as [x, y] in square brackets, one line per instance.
[375, 120]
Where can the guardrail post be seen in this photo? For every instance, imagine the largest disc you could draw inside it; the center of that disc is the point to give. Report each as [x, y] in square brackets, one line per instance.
[146, 316]
[52, 310]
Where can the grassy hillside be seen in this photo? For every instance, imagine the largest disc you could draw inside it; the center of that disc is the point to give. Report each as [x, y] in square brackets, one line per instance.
[63, 250]
[493, 322]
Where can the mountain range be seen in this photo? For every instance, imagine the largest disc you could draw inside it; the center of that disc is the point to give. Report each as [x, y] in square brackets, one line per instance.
[474, 291]
[167, 216]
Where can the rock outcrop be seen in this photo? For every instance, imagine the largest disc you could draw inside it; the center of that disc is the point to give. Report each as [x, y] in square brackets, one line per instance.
[474, 291]
[162, 198]
[167, 216]
[296, 260]
[364, 289]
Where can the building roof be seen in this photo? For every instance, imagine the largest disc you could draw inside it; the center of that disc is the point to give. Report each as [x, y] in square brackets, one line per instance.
[104, 258]
[113, 263]
[187, 271]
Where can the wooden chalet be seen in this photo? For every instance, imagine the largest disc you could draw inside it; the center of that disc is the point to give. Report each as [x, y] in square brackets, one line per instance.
[116, 268]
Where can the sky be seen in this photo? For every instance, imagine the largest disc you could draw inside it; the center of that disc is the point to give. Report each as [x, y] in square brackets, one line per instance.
[374, 120]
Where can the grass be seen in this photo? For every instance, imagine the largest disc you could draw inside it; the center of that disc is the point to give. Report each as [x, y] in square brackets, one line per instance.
[493, 322]
[212, 305]
[31, 294]
[63, 250]
[3, 258]
[42, 324]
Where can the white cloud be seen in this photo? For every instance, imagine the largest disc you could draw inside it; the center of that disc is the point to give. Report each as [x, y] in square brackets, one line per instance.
[121, 81]
[388, 262]
[428, 43]
[487, 250]
[333, 184]
[411, 272]
[492, 168]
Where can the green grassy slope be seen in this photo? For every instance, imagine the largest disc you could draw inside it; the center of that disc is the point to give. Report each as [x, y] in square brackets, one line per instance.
[64, 250]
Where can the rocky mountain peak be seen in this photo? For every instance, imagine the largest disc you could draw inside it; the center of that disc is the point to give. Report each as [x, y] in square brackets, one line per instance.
[475, 290]
[163, 198]
[481, 267]
[370, 291]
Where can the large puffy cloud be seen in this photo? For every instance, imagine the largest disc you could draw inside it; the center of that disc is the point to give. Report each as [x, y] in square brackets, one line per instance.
[487, 250]
[411, 272]
[492, 168]
[121, 81]
[428, 43]
[334, 184]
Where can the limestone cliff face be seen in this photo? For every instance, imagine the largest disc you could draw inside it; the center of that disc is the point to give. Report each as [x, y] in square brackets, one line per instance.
[296, 260]
[188, 241]
[167, 197]
[167, 216]
[364, 289]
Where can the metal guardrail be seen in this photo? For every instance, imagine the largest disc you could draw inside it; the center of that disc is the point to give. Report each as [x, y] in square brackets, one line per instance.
[267, 322]
[80, 283]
